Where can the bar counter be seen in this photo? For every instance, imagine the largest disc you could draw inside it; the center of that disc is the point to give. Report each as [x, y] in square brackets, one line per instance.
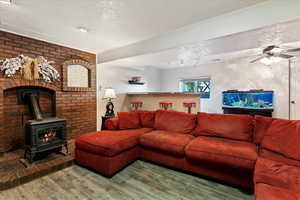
[164, 94]
[151, 100]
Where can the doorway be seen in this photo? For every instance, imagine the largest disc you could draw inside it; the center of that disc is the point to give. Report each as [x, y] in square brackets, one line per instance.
[295, 89]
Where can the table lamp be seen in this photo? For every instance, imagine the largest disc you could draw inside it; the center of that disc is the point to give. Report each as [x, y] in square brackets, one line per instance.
[109, 94]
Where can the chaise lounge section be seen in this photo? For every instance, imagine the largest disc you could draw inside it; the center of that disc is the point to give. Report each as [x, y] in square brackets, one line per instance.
[230, 148]
[108, 151]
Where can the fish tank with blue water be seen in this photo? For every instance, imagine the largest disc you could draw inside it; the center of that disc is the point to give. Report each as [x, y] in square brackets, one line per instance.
[248, 99]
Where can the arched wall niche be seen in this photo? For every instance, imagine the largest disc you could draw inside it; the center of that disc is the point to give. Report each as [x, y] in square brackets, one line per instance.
[78, 75]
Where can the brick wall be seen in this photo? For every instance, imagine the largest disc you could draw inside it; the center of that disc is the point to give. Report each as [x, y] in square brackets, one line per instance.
[79, 107]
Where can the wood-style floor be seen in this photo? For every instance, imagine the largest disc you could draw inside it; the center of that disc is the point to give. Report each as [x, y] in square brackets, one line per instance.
[139, 181]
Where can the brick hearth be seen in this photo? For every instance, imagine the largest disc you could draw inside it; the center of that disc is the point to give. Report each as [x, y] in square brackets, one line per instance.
[14, 173]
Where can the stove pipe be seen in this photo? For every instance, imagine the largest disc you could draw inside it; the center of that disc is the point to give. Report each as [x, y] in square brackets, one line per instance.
[34, 106]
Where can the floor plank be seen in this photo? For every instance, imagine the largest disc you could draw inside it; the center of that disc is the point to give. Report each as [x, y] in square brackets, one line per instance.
[139, 181]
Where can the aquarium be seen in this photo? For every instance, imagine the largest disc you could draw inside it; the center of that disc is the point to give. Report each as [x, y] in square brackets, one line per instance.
[249, 100]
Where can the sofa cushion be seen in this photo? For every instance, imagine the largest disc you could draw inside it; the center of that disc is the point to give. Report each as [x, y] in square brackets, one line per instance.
[269, 192]
[264, 153]
[277, 174]
[173, 121]
[110, 143]
[129, 120]
[146, 118]
[233, 153]
[261, 126]
[169, 142]
[238, 127]
[283, 137]
[112, 123]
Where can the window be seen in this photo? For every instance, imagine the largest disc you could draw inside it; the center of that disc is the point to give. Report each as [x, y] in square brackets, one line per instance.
[200, 85]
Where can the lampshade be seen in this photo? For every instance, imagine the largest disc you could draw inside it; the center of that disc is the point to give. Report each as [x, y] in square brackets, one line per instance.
[109, 93]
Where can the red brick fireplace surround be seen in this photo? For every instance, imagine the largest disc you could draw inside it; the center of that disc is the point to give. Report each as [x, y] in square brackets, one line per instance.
[78, 107]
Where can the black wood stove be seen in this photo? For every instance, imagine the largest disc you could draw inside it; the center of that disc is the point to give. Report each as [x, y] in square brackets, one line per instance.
[41, 135]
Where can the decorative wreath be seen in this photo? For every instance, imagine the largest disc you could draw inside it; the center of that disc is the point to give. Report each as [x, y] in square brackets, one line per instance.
[30, 68]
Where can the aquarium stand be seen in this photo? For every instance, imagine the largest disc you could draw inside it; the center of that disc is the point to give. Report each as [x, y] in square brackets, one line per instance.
[245, 111]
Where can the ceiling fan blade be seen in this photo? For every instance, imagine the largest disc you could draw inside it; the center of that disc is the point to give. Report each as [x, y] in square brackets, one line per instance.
[257, 59]
[292, 50]
[285, 56]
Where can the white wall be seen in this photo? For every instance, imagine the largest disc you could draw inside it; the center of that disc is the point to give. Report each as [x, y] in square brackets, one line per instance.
[117, 78]
[236, 74]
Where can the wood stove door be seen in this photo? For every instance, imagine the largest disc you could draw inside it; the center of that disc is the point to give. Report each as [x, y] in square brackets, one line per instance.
[43, 137]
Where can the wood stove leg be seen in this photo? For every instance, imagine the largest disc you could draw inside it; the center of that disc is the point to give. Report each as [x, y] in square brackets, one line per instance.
[67, 148]
[31, 157]
[25, 153]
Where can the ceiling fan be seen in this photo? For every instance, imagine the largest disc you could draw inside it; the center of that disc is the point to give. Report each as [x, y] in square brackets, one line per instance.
[273, 54]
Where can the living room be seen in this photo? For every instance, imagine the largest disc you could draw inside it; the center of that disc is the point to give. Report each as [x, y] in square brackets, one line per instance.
[198, 101]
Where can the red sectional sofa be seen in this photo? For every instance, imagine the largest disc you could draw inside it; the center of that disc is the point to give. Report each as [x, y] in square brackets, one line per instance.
[231, 148]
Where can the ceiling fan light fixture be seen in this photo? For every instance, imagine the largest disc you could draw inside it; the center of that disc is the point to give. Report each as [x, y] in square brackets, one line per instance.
[277, 50]
[274, 54]
[270, 60]
[275, 59]
[266, 61]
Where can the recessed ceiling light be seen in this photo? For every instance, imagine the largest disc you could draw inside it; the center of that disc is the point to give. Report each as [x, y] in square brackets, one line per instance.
[83, 30]
[7, 2]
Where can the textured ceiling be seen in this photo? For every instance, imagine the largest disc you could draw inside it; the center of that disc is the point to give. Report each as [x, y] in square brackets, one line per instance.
[125, 22]
[246, 45]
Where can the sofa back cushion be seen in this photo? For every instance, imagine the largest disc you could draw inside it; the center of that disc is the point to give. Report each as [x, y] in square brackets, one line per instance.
[261, 126]
[283, 137]
[112, 123]
[238, 127]
[174, 121]
[147, 118]
[129, 120]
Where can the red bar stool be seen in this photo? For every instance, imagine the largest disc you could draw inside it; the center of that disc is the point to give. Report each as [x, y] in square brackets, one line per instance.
[165, 105]
[189, 105]
[136, 104]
